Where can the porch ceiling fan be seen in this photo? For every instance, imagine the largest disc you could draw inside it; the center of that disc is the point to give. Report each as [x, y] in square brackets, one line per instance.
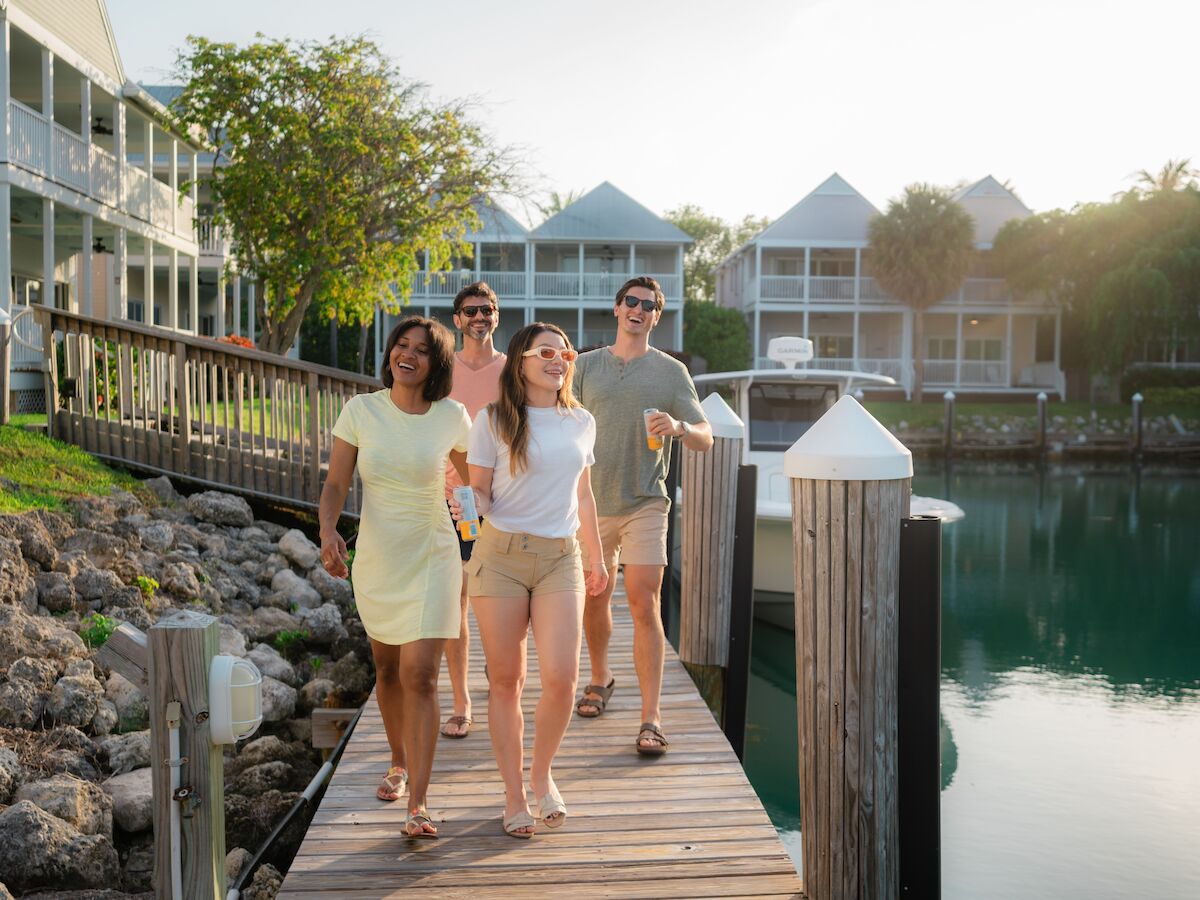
[98, 127]
[98, 246]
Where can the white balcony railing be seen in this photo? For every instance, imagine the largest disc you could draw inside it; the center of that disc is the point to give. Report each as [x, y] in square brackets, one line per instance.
[505, 284]
[29, 137]
[71, 159]
[971, 373]
[26, 343]
[556, 284]
[825, 287]
[137, 192]
[782, 287]
[211, 238]
[985, 290]
[163, 201]
[106, 181]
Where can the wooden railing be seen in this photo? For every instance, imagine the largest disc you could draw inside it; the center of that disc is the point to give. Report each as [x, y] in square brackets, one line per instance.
[194, 408]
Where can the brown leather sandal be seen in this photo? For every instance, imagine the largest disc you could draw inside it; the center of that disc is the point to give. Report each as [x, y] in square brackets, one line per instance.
[651, 732]
[603, 695]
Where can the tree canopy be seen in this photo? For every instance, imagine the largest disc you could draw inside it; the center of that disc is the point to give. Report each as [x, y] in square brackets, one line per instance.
[334, 173]
[714, 239]
[1125, 272]
[920, 250]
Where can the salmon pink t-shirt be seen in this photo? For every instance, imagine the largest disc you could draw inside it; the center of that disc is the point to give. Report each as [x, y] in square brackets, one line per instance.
[474, 389]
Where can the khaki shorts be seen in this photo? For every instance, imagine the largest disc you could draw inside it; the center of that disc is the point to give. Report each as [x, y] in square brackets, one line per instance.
[522, 565]
[638, 538]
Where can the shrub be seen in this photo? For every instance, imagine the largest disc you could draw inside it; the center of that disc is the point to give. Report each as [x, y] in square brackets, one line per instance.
[1139, 379]
[290, 642]
[718, 334]
[147, 586]
[99, 629]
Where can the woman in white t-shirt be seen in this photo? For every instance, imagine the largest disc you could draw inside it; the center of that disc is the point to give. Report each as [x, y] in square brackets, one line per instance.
[529, 455]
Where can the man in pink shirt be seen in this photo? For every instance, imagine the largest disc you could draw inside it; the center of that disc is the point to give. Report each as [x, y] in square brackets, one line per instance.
[476, 383]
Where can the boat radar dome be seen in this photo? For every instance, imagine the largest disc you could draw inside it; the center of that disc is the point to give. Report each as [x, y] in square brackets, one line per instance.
[790, 350]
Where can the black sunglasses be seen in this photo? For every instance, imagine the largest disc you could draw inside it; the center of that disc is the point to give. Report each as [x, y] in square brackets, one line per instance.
[647, 305]
[470, 311]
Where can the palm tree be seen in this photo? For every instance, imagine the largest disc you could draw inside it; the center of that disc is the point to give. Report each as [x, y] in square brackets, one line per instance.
[1175, 174]
[556, 202]
[920, 250]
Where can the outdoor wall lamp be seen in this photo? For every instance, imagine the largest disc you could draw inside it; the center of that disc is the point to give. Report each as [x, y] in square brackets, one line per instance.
[234, 699]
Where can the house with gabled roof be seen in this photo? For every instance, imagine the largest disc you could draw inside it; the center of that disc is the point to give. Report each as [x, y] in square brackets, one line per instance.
[567, 270]
[89, 168]
[809, 273]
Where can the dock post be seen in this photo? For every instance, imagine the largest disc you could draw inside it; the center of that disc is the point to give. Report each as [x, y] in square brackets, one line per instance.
[851, 482]
[919, 770]
[741, 611]
[707, 523]
[668, 583]
[1135, 437]
[1041, 423]
[182, 647]
[948, 425]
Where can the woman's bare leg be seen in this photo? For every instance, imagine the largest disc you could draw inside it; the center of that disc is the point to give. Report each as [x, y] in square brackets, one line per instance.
[557, 629]
[419, 665]
[390, 698]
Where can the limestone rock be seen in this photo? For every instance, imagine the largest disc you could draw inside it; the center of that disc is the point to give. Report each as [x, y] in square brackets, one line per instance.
[332, 590]
[314, 694]
[75, 700]
[265, 884]
[101, 548]
[324, 624]
[278, 700]
[24, 635]
[55, 591]
[106, 719]
[351, 675]
[11, 774]
[21, 704]
[16, 584]
[267, 622]
[77, 802]
[179, 579]
[29, 530]
[126, 752]
[97, 584]
[35, 670]
[163, 489]
[220, 508]
[252, 533]
[299, 550]
[255, 780]
[269, 662]
[132, 798]
[138, 870]
[133, 710]
[235, 861]
[39, 850]
[298, 590]
[157, 536]
[232, 641]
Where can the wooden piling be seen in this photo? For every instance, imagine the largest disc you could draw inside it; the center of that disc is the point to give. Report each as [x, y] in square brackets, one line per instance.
[850, 489]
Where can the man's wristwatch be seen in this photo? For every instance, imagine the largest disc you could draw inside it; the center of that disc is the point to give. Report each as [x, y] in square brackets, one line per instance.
[686, 429]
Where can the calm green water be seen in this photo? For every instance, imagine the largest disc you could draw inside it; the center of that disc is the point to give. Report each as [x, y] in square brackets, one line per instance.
[1070, 685]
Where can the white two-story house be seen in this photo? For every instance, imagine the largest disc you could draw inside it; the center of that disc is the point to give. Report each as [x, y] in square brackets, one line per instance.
[89, 170]
[566, 271]
[809, 274]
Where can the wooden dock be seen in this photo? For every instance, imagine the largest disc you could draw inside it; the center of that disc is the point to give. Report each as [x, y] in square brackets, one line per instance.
[686, 825]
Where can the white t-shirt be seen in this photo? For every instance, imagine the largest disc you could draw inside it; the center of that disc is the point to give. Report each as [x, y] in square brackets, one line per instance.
[542, 500]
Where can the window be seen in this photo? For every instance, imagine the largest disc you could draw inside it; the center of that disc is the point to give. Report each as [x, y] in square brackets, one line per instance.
[206, 325]
[781, 413]
[137, 311]
[834, 346]
[787, 266]
[983, 349]
[940, 348]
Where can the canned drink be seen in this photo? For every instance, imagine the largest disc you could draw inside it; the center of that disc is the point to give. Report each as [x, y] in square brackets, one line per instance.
[468, 525]
[653, 441]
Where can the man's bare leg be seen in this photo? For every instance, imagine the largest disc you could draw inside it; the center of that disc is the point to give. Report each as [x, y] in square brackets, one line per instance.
[598, 627]
[458, 654]
[643, 585]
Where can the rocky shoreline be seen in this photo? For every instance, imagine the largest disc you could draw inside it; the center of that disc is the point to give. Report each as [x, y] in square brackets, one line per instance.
[75, 798]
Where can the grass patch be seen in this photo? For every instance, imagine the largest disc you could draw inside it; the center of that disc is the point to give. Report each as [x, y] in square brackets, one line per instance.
[49, 473]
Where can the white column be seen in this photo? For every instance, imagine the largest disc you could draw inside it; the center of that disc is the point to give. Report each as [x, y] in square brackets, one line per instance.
[807, 272]
[579, 328]
[251, 300]
[804, 321]
[173, 290]
[148, 153]
[85, 117]
[48, 108]
[194, 293]
[48, 252]
[854, 341]
[581, 270]
[958, 351]
[148, 279]
[174, 191]
[85, 268]
[478, 262]
[679, 327]
[219, 318]
[757, 336]
[120, 285]
[857, 275]
[119, 149]
[194, 179]
[1008, 355]
[237, 304]
[906, 347]
[679, 272]
[5, 91]
[6, 299]
[530, 271]
[757, 280]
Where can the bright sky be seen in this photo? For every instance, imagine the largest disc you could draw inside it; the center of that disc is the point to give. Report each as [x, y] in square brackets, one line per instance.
[743, 107]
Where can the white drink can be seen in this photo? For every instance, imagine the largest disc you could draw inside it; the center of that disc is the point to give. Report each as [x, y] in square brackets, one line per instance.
[468, 525]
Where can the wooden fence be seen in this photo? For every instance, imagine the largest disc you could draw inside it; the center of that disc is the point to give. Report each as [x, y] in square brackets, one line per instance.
[211, 413]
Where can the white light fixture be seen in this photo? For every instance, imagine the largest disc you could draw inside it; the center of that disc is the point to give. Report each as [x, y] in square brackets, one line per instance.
[234, 699]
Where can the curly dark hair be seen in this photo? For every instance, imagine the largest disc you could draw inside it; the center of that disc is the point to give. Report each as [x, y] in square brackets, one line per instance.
[441, 356]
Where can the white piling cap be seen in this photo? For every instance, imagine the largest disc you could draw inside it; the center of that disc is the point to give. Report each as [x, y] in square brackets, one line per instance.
[724, 421]
[848, 444]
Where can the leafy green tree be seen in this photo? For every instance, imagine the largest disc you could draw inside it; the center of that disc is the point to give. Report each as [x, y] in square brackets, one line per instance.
[1176, 174]
[334, 173]
[714, 239]
[920, 250]
[716, 333]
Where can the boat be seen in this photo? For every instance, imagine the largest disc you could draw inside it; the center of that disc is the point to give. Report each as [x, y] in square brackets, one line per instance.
[777, 406]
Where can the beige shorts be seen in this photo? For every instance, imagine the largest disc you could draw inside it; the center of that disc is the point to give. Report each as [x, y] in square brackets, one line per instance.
[638, 538]
[522, 565]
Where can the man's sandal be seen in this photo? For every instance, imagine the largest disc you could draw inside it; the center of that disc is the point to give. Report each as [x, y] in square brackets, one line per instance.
[414, 825]
[464, 722]
[517, 820]
[651, 732]
[603, 695]
[393, 785]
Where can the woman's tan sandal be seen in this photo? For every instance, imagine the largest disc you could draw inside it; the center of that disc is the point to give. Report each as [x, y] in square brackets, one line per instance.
[651, 732]
[598, 705]
[517, 820]
[393, 785]
[463, 722]
[414, 826]
[551, 809]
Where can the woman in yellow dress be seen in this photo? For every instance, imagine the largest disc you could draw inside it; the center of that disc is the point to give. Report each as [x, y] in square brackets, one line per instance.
[407, 571]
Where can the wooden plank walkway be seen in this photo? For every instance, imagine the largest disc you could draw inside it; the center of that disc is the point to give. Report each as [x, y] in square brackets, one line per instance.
[686, 825]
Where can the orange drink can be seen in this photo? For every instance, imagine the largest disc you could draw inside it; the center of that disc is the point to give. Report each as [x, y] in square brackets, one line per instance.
[653, 441]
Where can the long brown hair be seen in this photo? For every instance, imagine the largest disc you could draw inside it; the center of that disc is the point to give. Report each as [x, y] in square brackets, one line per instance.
[508, 415]
[441, 356]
